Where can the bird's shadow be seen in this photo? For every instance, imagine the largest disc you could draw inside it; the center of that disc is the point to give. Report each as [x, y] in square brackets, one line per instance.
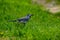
[20, 25]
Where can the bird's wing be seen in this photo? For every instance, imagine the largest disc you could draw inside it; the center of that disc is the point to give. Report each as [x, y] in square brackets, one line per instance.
[21, 18]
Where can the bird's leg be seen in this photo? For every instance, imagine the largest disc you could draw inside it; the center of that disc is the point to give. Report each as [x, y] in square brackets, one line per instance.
[24, 24]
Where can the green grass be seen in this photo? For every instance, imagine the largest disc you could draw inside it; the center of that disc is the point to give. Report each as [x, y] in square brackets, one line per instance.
[42, 26]
[57, 1]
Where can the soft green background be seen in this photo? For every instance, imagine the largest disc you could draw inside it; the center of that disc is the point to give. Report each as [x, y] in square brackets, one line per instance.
[42, 26]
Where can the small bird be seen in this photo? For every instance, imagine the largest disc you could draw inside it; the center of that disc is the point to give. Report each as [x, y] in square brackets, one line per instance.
[23, 19]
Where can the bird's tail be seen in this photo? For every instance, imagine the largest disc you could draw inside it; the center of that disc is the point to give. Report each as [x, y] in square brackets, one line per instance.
[12, 20]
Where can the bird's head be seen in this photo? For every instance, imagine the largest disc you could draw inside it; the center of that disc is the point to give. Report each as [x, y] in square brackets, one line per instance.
[29, 15]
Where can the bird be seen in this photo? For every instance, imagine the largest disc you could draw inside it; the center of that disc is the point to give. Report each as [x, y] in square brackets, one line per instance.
[23, 19]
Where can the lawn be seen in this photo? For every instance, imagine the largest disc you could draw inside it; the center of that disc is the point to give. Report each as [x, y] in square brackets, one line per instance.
[42, 26]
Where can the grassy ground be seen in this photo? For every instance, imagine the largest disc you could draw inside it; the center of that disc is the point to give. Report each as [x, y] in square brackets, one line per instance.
[57, 1]
[42, 26]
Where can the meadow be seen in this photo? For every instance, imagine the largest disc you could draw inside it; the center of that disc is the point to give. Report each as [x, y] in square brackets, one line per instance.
[42, 26]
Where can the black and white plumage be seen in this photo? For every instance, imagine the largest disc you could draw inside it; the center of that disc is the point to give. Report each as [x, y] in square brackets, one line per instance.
[23, 19]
